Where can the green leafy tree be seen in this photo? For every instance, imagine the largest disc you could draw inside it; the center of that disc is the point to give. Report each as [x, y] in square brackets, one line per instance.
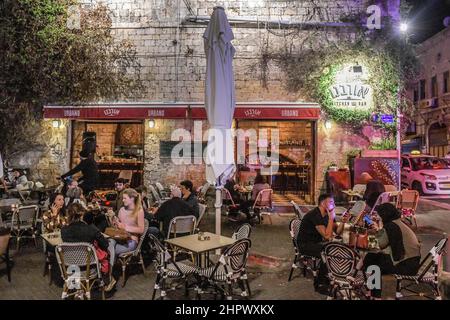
[57, 52]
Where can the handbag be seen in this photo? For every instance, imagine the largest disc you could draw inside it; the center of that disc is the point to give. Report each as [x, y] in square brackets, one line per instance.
[359, 238]
[102, 258]
[117, 234]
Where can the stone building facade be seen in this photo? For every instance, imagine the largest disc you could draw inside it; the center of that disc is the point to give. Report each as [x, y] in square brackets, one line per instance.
[431, 95]
[168, 38]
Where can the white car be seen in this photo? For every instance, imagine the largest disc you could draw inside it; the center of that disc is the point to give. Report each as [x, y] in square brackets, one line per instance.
[426, 174]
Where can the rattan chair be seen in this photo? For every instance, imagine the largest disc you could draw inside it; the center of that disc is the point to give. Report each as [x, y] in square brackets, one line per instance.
[182, 225]
[156, 197]
[167, 268]
[298, 212]
[163, 194]
[127, 258]
[407, 202]
[346, 281]
[426, 277]
[263, 205]
[305, 262]
[201, 214]
[229, 270]
[23, 224]
[4, 251]
[243, 232]
[80, 269]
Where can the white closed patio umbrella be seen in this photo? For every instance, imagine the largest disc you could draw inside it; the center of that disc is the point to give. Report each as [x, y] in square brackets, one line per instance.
[219, 103]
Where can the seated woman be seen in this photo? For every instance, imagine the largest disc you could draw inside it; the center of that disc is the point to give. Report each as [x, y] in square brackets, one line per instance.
[130, 219]
[369, 204]
[79, 231]
[372, 187]
[400, 248]
[75, 195]
[260, 184]
[55, 218]
[233, 188]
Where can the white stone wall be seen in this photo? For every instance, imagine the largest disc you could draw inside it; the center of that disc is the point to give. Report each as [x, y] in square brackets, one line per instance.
[171, 52]
[173, 61]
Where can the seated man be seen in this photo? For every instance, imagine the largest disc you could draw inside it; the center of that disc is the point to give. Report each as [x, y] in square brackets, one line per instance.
[174, 207]
[119, 186]
[187, 188]
[317, 227]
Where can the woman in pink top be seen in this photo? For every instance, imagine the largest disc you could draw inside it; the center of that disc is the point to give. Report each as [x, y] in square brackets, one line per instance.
[131, 219]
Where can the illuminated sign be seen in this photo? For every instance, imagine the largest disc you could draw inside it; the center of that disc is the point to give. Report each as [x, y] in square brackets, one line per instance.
[71, 113]
[383, 118]
[111, 112]
[350, 89]
[252, 112]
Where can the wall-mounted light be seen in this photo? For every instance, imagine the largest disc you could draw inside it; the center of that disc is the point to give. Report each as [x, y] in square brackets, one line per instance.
[328, 124]
[56, 123]
[404, 27]
[151, 124]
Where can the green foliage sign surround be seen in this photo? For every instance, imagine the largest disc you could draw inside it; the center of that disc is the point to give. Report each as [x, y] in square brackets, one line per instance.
[390, 61]
[47, 60]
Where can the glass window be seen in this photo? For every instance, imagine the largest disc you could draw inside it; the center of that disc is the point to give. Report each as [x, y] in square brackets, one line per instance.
[434, 90]
[428, 163]
[445, 82]
[422, 89]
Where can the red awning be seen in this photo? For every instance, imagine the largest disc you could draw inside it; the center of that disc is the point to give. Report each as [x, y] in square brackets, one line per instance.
[269, 111]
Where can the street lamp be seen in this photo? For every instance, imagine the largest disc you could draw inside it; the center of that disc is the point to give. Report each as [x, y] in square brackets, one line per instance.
[403, 30]
[403, 27]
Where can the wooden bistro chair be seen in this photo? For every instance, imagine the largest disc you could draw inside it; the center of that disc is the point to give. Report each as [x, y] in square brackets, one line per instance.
[407, 202]
[263, 204]
[127, 258]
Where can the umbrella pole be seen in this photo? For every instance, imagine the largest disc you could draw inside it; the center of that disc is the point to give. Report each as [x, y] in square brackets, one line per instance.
[218, 206]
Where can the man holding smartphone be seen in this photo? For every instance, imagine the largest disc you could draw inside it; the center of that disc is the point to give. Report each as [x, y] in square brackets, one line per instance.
[317, 227]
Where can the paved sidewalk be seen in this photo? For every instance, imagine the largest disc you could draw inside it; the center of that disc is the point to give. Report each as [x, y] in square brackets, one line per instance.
[269, 264]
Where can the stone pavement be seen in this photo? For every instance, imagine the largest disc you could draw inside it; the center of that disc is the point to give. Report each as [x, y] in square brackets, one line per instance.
[268, 266]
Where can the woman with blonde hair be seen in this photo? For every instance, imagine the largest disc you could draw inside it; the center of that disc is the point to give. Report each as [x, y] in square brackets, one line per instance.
[130, 219]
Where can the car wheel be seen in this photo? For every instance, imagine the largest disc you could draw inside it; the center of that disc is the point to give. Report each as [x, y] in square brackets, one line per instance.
[418, 186]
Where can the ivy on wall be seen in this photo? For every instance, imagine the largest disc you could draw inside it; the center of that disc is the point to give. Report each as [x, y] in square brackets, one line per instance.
[310, 71]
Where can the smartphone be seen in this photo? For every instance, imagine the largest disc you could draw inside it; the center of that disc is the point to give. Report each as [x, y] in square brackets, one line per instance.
[368, 220]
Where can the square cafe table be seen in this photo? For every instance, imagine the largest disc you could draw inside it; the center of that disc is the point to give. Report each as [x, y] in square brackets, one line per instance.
[201, 248]
[54, 238]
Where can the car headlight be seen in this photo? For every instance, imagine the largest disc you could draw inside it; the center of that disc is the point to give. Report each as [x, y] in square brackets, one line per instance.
[428, 176]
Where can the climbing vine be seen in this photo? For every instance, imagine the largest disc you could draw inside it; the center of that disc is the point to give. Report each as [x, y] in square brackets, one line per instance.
[311, 68]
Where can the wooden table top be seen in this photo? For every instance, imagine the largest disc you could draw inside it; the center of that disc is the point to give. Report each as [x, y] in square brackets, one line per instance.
[54, 238]
[191, 242]
[5, 204]
[352, 193]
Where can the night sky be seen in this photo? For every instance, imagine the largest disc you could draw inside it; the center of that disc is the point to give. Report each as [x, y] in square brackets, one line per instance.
[426, 18]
